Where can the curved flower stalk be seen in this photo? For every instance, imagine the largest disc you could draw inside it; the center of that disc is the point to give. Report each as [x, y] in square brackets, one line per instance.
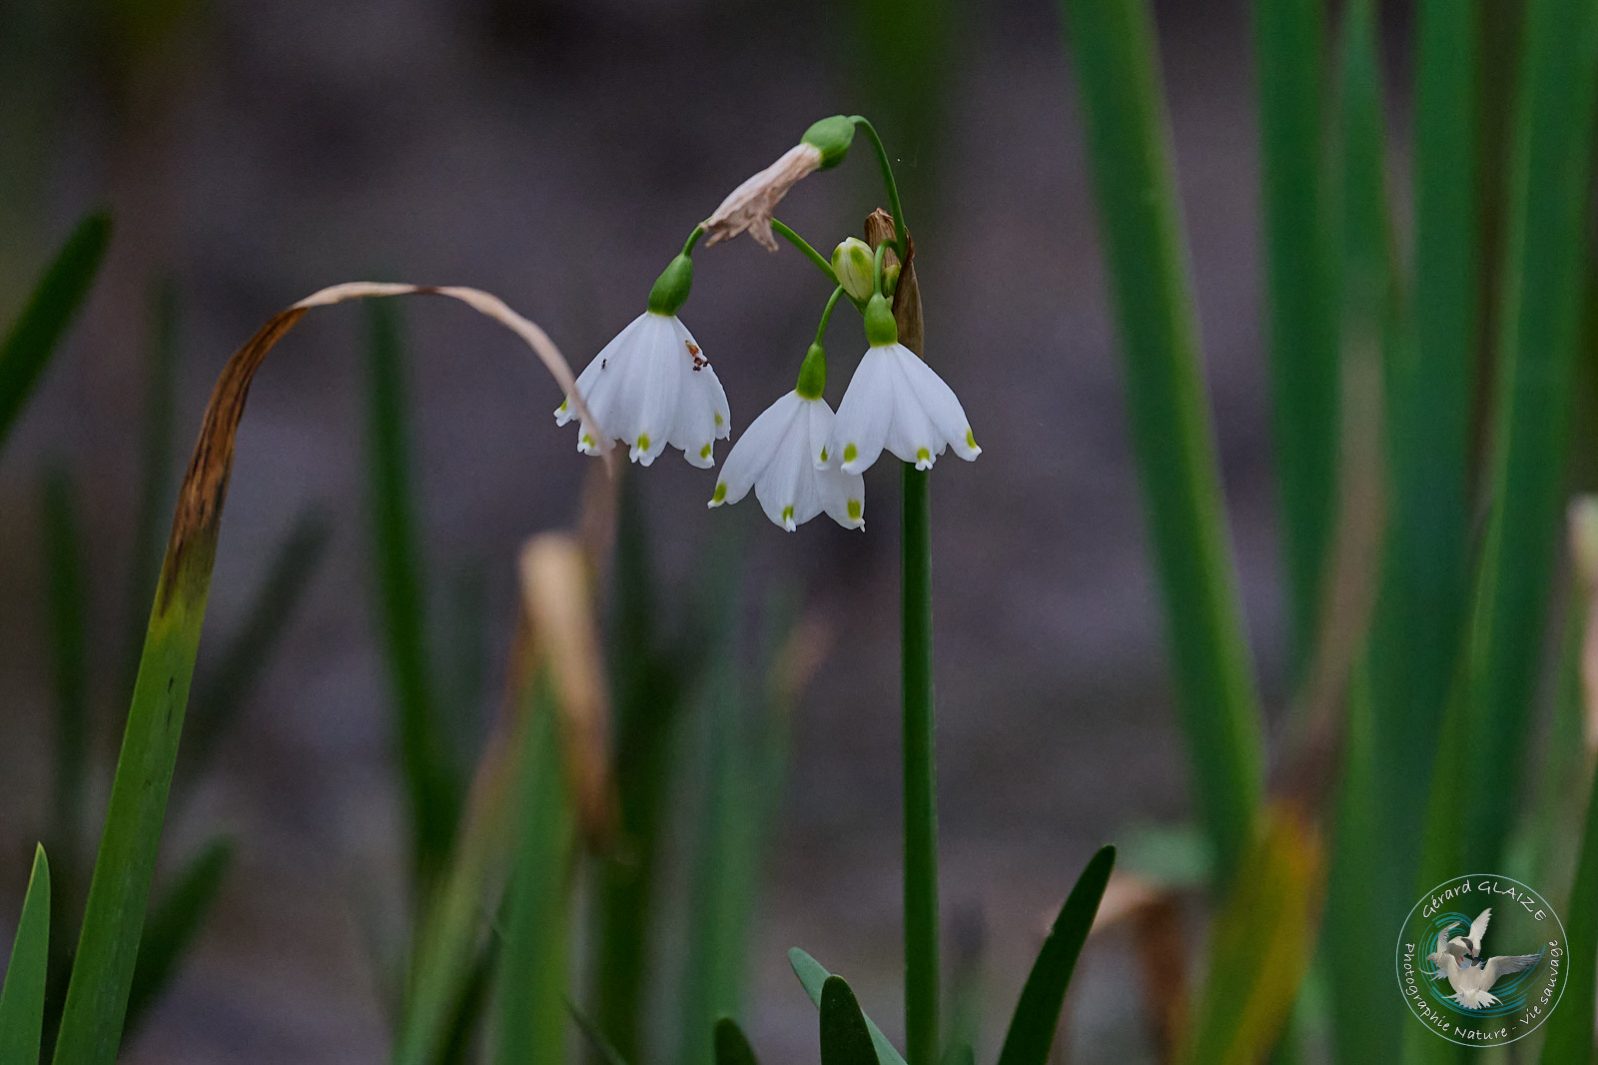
[896, 402]
[652, 385]
[102, 971]
[775, 457]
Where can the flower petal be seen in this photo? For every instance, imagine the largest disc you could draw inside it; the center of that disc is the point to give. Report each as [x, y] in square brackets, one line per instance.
[787, 490]
[861, 427]
[941, 405]
[753, 452]
[654, 385]
[841, 495]
[911, 435]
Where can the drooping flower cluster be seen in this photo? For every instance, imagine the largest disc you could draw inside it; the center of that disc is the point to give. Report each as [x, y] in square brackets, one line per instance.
[652, 386]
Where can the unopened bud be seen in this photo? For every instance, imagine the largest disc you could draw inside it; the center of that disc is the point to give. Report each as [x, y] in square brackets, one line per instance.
[852, 262]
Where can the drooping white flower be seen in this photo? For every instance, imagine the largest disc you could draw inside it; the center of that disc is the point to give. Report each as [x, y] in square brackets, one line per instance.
[776, 457]
[895, 401]
[652, 384]
[650, 387]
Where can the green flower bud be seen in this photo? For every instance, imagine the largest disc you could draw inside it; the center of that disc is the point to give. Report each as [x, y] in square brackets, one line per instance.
[831, 136]
[812, 374]
[672, 286]
[852, 261]
[881, 329]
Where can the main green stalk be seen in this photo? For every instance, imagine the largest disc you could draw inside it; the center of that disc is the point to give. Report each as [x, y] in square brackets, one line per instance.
[921, 964]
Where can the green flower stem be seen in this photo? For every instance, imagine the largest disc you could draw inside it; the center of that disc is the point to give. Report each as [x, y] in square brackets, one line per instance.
[877, 258]
[803, 245]
[921, 964]
[901, 235]
[693, 239]
[826, 313]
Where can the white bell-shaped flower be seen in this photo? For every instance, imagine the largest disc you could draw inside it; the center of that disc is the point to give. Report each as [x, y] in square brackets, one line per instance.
[776, 457]
[895, 401]
[652, 385]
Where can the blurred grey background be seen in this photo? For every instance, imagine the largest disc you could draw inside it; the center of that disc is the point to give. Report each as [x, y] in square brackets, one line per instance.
[556, 152]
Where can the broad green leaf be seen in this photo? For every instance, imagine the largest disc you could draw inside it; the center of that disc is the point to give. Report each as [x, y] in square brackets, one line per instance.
[175, 923]
[1037, 1013]
[22, 998]
[27, 348]
[429, 773]
[732, 1046]
[845, 1037]
[813, 978]
[1128, 145]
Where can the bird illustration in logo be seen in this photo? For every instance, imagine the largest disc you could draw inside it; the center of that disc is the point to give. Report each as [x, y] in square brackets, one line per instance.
[1459, 961]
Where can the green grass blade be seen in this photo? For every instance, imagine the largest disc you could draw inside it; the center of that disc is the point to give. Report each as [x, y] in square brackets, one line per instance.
[1440, 393]
[596, 1039]
[175, 923]
[1570, 1027]
[1305, 381]
[1550, 186]
[450, 945]
[649, 687]
[27, 348]
[70, 652]
[157, 461]
[532, 980]
[243, 661]
[432, 786]
[1399, 680]
[1261, 943]
[1114, 49]
[732, 1046]
[744, 743]
[845, 1037]
[1037, 1013]
[22, 998]
[813, 978]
